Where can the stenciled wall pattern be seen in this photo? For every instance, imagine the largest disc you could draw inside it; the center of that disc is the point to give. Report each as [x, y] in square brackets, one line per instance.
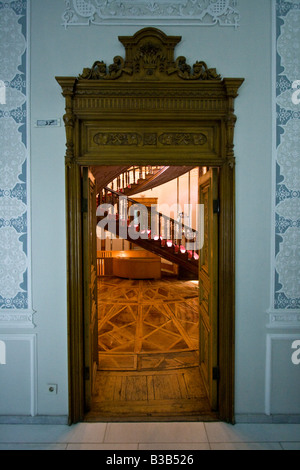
[14, 237]
[15, 296]
[287, 204]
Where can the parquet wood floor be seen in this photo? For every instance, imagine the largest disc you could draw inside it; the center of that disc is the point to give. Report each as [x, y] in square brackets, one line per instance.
[148, 351]
[144, 394]
[146, 324]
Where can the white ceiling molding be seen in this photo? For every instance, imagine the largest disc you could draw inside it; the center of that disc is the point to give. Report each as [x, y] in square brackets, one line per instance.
[151, 12]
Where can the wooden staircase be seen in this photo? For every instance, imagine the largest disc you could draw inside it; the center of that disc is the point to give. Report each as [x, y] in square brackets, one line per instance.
[134, 179]
[155, 232]
[137, 179]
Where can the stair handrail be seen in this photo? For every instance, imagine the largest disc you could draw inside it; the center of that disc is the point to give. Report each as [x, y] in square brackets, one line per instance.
[137, 172]
[184, 229]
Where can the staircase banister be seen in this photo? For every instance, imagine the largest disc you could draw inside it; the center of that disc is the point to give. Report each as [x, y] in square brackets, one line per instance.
[153, 211]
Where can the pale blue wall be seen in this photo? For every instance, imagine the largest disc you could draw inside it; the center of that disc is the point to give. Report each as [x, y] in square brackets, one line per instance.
[245, 52]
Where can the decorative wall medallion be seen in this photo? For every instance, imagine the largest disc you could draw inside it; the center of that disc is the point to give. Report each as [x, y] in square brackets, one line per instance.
[145, 12]
[287, 203]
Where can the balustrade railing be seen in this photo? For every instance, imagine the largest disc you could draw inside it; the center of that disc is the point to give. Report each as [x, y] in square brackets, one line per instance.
[148, 223]
[132, 176]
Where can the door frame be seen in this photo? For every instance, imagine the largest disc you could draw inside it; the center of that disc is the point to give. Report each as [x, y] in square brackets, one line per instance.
[133, 106]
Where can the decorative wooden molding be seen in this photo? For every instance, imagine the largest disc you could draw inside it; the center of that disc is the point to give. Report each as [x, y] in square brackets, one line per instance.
[123, 88]
[67, 85]
[182, 138]
[137, 139]
[158, 108]
[117, 138]
[149, 56]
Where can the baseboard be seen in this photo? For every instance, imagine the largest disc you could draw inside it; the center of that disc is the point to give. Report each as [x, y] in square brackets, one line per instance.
[62, 420]
[267, 419]
[239, 419]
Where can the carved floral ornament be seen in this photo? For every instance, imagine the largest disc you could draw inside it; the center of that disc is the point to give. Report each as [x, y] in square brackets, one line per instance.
[150, 55]
[145, 12]
[137, 139]
[149, 60]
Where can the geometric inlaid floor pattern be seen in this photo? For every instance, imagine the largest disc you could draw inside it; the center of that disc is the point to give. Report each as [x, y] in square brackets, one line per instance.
[147, 324]
[148, 352]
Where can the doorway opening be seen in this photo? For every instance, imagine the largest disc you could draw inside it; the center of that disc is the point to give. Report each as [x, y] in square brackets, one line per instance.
[153, 109]
[150, 363]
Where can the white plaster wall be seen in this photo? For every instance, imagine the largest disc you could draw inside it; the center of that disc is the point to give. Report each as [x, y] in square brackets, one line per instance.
[246, 53]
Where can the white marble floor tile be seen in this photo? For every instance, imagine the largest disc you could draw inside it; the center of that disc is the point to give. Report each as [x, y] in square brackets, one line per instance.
[82, 432]
[30, 447]
[103, 447]
[222, 432]
[176, 446]
[156, 432]
[290, 445]
[246, 446]
[178, 436]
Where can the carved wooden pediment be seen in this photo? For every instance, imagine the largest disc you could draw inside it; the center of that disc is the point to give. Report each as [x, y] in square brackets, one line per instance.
[128, 106]
[149, 55]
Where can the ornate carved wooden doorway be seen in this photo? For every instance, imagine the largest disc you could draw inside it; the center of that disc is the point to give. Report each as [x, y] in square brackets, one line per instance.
[150, 108]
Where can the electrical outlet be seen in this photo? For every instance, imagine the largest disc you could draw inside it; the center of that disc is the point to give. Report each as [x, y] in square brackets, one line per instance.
[52, 389]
